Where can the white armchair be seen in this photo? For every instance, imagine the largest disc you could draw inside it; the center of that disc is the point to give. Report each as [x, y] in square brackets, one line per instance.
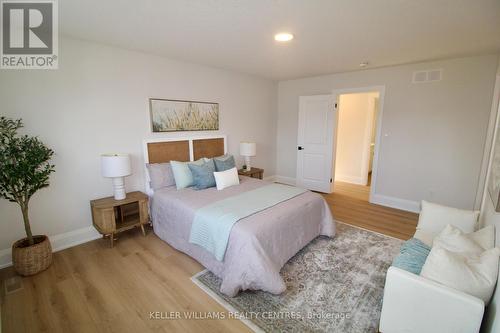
[415, 304]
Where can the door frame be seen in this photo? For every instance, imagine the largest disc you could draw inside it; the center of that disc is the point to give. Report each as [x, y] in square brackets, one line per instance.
[378, 135]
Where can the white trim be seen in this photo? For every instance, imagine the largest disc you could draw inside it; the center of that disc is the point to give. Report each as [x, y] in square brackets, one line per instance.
[402, 204]
[378, 199]
[222, 302]
[5, 258]
[285, 180]
[482, 188]
[148, 189]
[59, 242]
[350, 179]
[191, 150]
[378, 135]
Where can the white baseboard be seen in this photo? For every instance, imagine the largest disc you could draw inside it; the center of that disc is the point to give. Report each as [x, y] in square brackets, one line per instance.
[59, 242]
[379, 199]
[284, 180]
[403, 204]
[350, 179]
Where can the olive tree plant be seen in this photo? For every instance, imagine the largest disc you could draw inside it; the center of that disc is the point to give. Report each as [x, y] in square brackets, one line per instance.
[24, 167]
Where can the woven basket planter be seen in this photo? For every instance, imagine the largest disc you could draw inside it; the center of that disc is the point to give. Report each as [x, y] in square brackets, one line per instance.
[30, 260]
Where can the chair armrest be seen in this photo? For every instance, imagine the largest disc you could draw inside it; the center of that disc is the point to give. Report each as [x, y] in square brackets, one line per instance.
[414, 304]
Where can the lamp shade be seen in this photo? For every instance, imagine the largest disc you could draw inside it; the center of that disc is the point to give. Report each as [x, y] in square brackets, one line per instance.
[115, 165]
[248, 149]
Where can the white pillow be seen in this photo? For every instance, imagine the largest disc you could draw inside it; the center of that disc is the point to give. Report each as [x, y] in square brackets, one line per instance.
[474, 275]
[484, 237]
[226, 178]
[455, 240]
[433, 218]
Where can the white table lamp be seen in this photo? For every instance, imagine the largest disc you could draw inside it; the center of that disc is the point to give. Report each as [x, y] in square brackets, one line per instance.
[248, 149]
[116, 166]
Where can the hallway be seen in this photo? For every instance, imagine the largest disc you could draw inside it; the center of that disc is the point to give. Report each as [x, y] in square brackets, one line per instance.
[349, 204]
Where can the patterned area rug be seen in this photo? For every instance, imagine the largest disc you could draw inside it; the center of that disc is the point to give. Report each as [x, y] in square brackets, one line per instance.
[333, 285]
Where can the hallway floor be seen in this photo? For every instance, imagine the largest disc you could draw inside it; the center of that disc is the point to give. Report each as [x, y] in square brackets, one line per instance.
[349, 204]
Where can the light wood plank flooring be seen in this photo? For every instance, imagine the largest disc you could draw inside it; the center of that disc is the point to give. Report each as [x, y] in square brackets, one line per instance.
[349, 204]
[93, 288]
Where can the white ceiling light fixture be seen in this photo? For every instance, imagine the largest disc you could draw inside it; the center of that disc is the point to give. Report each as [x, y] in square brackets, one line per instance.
[283, 37]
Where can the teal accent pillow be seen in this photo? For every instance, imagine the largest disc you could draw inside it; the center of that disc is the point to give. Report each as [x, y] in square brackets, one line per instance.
[182, 175]
[203, 175]
[412, 256]
[224, 162]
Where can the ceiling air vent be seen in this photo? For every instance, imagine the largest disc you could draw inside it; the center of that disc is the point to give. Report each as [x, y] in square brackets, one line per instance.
[430, 75]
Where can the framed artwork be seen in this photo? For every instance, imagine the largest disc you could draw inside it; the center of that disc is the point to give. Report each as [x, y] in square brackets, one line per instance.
[168, 115]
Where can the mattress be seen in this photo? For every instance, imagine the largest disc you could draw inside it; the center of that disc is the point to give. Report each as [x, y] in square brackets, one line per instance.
[259, 245]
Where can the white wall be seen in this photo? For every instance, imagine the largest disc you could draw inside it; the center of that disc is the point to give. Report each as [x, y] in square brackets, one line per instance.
[98, 102]
[433, 134]
[355, 124]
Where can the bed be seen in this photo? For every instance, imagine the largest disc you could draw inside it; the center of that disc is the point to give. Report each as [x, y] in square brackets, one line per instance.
[259, 245]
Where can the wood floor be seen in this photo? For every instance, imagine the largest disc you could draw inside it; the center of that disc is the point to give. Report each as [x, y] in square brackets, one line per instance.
[93, 288]
[349, 204]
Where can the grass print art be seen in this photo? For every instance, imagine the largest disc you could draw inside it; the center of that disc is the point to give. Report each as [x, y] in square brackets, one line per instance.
[173, 115]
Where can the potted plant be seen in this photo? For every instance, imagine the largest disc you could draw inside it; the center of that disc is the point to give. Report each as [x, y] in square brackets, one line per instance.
[24, 169]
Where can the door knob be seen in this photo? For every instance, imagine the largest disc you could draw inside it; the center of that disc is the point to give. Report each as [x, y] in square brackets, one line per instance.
[300, 148]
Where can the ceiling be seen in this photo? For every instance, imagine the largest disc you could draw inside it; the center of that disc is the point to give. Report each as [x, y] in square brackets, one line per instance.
[330, 35]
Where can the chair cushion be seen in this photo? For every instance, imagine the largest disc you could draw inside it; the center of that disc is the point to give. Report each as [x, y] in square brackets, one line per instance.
[455, 240]
[467, 262]
[203, 175]
[412, 256]
[475, 275]
[434, 218]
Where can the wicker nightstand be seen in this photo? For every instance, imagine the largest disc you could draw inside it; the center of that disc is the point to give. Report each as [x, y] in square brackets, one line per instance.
[112, 216]
[254, 173]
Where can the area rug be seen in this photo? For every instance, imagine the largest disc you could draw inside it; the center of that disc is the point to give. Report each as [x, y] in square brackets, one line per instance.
[333, 285]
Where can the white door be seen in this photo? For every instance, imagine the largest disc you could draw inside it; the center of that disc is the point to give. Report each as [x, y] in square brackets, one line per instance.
[316, 142]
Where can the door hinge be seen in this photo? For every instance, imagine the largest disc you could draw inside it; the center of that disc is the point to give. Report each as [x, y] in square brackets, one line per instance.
[336, 105]
[331, 180]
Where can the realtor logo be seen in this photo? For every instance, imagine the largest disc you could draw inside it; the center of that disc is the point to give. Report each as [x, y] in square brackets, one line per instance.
[29, 38]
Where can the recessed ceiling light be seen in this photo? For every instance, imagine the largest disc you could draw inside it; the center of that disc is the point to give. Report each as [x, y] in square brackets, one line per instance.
[283, 37]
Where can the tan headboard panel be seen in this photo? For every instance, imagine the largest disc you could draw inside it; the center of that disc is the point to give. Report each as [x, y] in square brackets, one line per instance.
[208, 148]
[162, 152]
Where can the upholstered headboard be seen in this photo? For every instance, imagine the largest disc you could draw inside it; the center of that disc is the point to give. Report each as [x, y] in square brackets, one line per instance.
[182, 149]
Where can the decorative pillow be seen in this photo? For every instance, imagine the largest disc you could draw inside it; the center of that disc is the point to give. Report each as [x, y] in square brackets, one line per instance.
[224, 162]
[182, 174]
[203, 175]
[484, 237]
[160, 175]
[474, 275]
[226, 178]
[433, 218]
[412, 256]
[455, 240]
